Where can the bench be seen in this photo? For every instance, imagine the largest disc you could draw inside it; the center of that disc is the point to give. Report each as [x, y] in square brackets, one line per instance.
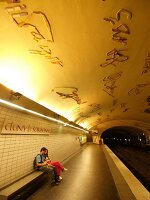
[22, 188]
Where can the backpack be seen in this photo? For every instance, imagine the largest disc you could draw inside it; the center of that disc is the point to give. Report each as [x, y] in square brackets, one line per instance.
[34, 162]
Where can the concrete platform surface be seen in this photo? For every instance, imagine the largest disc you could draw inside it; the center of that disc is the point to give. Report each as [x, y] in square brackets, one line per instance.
[88, 178]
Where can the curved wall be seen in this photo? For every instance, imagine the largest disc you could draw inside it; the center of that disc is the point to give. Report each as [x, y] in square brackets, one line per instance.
[18, 147]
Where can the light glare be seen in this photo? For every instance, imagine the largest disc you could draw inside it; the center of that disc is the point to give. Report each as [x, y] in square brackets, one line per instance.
[41, 115]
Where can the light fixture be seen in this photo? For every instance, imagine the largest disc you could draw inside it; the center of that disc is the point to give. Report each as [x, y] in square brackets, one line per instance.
[41, 115]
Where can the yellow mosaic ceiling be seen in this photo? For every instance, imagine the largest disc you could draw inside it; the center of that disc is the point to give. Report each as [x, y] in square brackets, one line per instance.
[88, 61]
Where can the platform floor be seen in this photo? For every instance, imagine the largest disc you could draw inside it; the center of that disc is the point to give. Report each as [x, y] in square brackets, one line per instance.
[88, 178]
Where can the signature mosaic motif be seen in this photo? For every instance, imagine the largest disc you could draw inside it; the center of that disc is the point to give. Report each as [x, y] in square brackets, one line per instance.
[116, 55]
[146, 67]
[95, 107]
[22, 18]
[110, 83]
[137, 89]
[73, 95]
[147, 110]
[124, 107]
[148, 100]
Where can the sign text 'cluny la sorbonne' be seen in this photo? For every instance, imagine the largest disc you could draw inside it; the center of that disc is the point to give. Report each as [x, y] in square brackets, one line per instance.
[16, 127]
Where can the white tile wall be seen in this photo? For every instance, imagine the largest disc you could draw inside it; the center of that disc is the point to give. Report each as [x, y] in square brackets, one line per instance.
[18, 151]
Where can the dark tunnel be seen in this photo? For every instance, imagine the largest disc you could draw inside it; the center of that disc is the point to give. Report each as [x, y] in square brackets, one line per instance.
[126, 136]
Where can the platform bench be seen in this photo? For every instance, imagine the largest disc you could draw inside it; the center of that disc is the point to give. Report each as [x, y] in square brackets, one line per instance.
[24, 187]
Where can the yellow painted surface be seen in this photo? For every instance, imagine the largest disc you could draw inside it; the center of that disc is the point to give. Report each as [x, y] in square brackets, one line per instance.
[60, 45]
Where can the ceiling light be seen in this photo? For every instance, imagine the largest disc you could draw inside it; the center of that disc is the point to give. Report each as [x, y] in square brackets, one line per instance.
[41, 115]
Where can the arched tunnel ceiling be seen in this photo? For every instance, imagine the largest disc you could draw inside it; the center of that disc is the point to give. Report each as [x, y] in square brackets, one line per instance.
[88, 61]
[123, 131]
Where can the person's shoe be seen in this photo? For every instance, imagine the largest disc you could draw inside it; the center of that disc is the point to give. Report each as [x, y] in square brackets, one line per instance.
[52, 181]
[65, 169]
[60, 178]
[55, 183]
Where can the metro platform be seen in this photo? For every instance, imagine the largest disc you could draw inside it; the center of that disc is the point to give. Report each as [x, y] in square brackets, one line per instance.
[93, 175]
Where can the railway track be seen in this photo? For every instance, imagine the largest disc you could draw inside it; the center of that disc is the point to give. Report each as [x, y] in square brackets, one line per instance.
[137, 161]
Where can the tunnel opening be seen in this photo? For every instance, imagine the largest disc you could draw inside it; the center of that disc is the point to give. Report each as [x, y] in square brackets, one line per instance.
[125, 136]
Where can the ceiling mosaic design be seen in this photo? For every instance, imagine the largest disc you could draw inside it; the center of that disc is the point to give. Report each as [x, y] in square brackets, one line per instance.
[88, 61]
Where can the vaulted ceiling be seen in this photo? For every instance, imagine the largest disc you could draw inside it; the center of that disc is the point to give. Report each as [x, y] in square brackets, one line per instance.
[88, 61]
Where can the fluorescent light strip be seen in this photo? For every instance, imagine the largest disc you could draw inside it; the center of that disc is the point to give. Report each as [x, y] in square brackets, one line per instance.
[41, 115]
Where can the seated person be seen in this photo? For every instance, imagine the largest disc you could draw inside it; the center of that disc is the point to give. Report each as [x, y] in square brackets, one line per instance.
[42, 165]
[59, 167]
